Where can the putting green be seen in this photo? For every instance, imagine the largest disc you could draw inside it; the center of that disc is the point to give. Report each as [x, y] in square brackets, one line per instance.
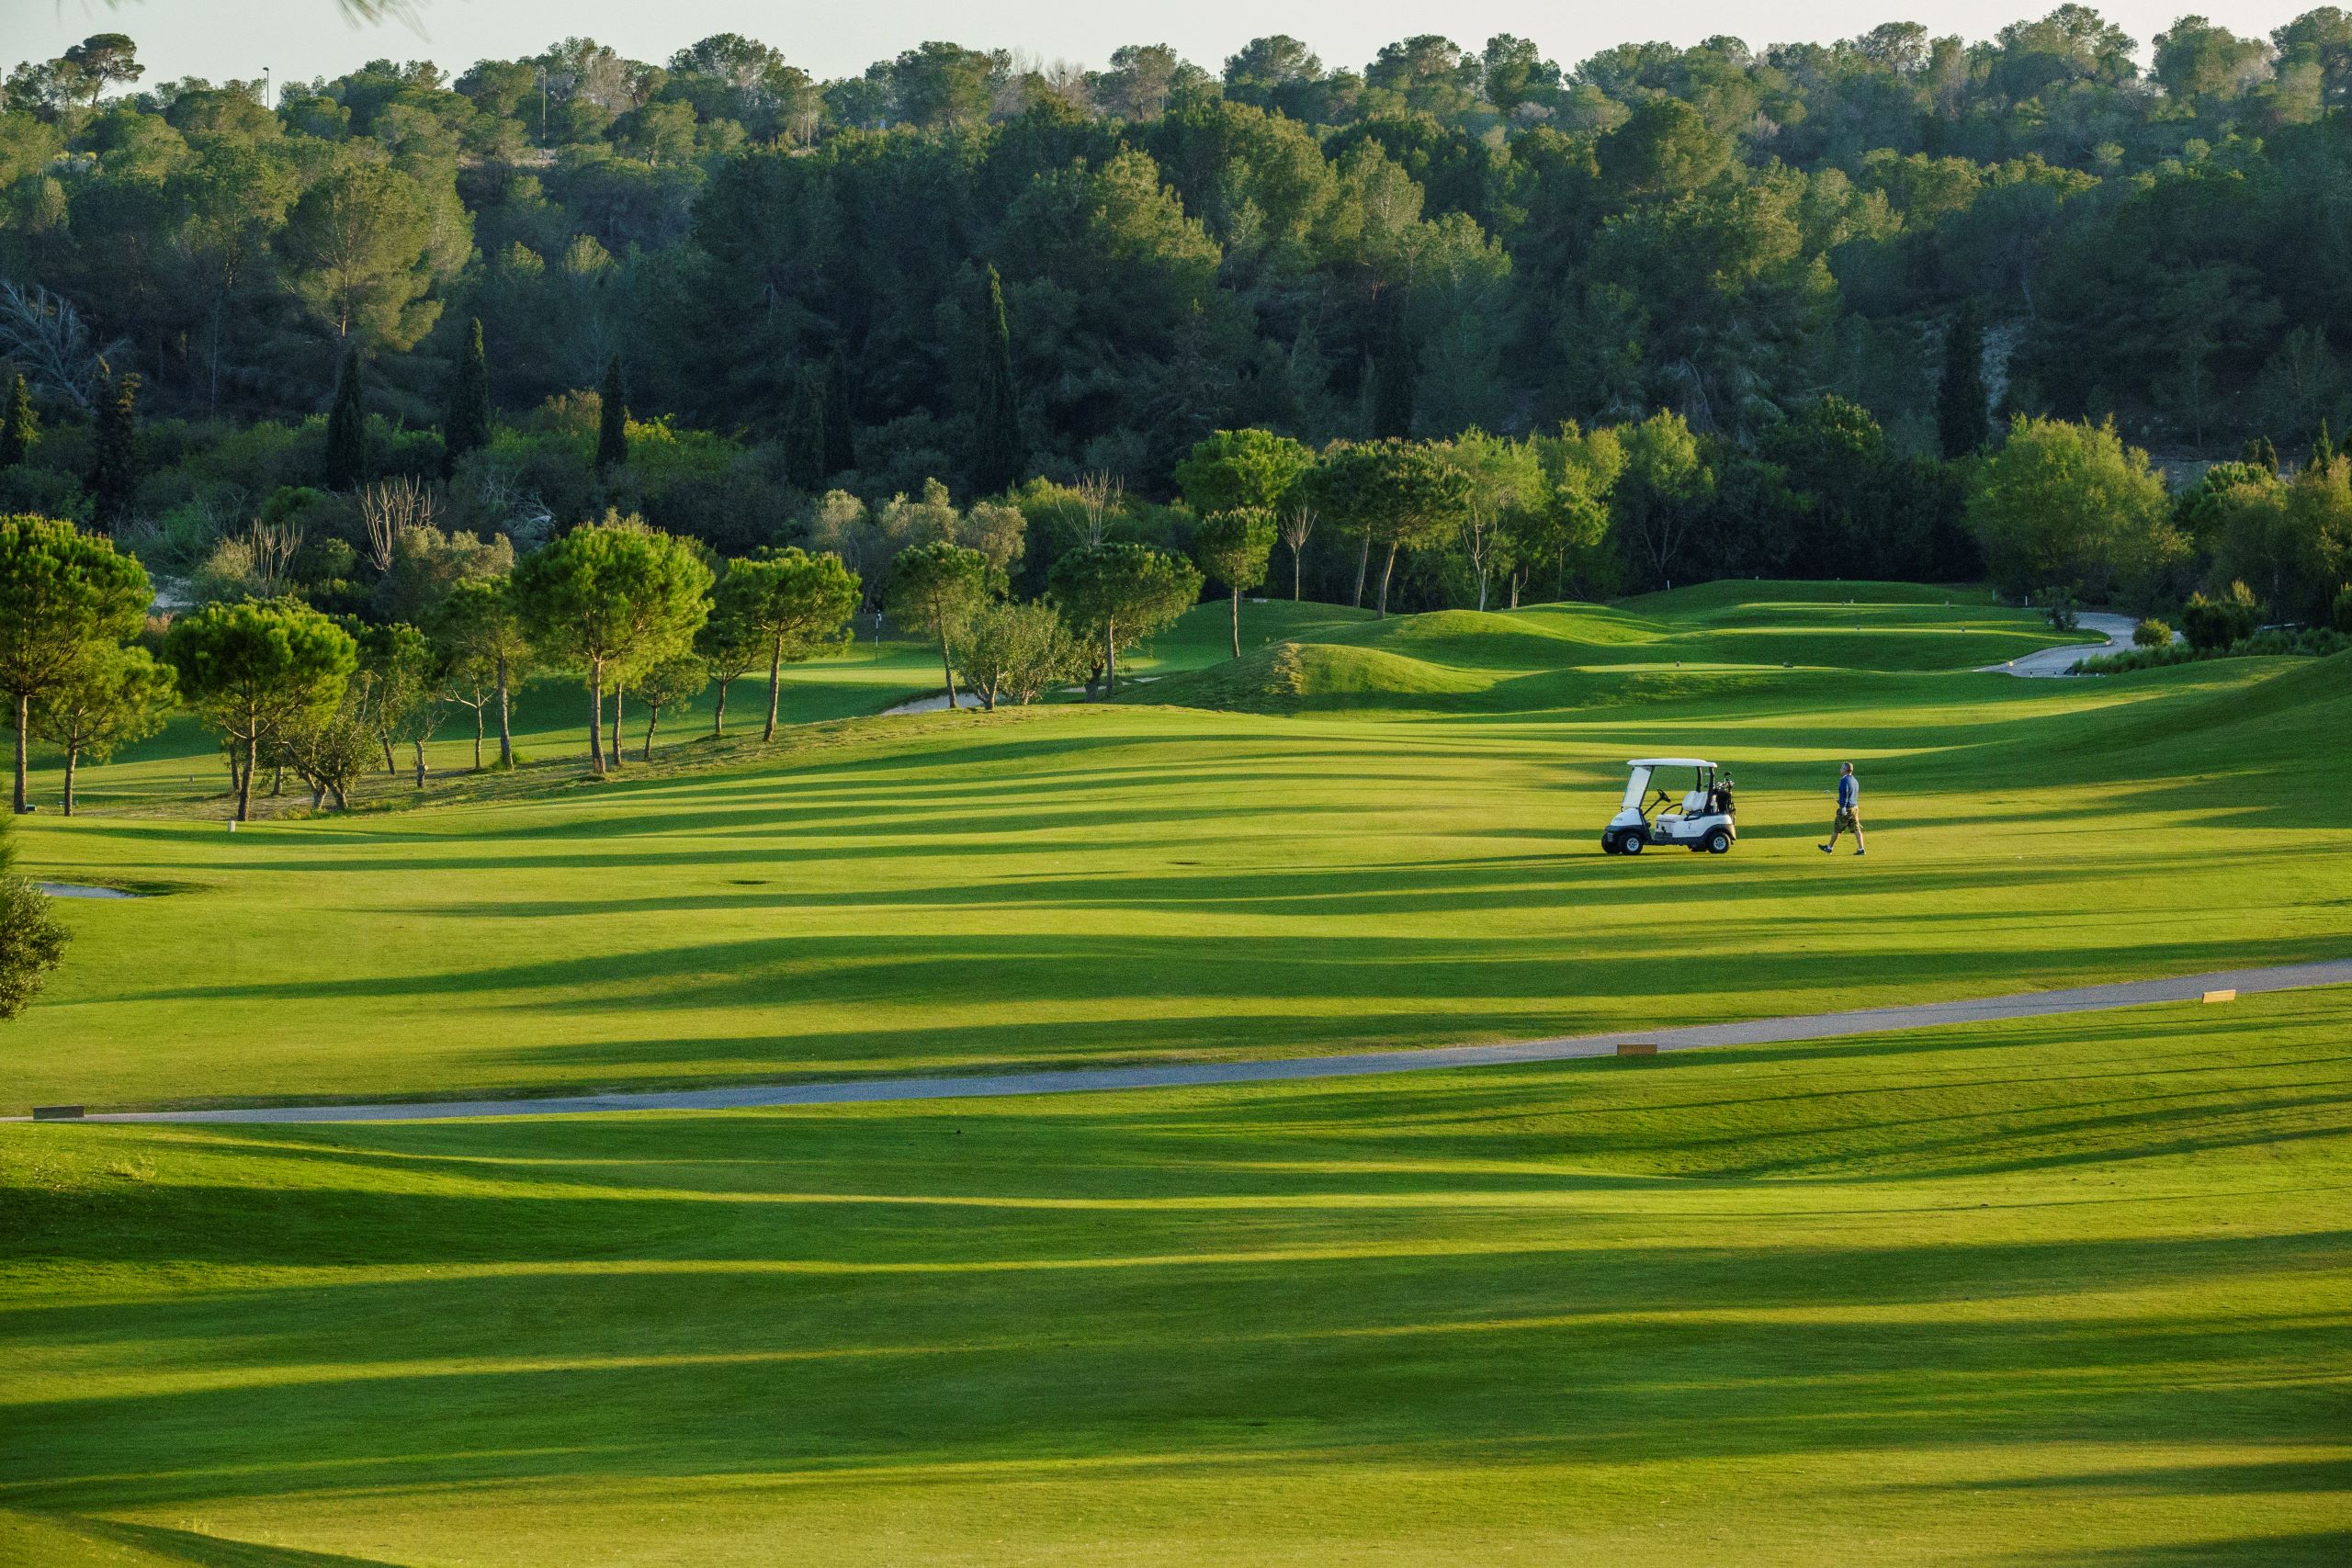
[1403, 855]
[2065, 1292]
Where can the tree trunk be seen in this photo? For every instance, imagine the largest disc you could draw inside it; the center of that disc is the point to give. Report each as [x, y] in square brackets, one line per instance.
[23, 723]
[245, 781]
[1386, 573]
[505, 730]
[420, 761]
[1110, 658]
[1295, 551]
[318, 795]
[652, 717]
[776, 682]
[596, 718]
[1363, 563]
[1237, 623]
[389, 766]
[72, 755]
[277, 780]
[620, 695]
[947, 664]
[478, 735]
[342, 801]
[719, 716]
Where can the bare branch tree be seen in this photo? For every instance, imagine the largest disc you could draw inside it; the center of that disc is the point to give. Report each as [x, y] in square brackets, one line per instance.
[389, 508]
[1297, 524]
[273, 546]
[1099, 495]
[45, 333]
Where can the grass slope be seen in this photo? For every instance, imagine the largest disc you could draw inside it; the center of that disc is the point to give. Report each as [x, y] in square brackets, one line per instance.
[2059, 1293]
[1085, 883]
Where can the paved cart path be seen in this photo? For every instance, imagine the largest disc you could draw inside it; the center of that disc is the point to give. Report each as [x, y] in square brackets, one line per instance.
[1185, 1075]
[2116, 629]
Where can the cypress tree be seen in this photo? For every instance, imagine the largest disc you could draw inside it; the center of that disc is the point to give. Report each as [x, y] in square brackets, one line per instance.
[1963, 423]
[840, 440]
[346, 454]
[18, 424]
[2262, 455]
[997, 451]
[2323, 446]
[465, 428]
[1392, 380]
[612, 424]
[114, 463]
[804, 429]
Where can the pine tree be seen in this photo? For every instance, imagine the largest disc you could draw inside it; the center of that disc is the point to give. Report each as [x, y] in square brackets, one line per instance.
[1963, 423]
[612, 423]
[2323, 446]
[997, 451]
[466, 427]
[2262, 455]
[346, 454]
[19, 427]
[841, 439]
[805, 427]
[114, 465]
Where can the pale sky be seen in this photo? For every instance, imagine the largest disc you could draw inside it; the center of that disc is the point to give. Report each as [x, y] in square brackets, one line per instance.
[301, 39]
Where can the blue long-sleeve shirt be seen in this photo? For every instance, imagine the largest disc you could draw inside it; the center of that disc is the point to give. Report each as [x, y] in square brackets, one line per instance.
[1850, 792]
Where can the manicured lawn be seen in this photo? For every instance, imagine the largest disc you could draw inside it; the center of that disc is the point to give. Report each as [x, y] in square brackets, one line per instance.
[2073, 1291]
[1400, 850]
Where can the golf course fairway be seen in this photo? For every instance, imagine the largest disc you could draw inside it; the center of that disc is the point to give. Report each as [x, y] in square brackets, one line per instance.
[2060, 1292]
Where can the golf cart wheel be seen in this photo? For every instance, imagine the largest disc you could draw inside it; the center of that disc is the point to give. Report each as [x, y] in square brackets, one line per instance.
[1631, 844]
[1719, 842]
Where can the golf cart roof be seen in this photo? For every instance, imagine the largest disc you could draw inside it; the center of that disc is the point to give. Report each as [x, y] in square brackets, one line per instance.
[1669, 762]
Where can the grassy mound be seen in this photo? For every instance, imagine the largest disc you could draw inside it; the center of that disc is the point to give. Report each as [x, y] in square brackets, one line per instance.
[1292, 677]
[1719, 640]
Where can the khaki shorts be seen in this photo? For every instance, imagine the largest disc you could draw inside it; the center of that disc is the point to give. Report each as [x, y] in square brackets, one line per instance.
[1849, 820]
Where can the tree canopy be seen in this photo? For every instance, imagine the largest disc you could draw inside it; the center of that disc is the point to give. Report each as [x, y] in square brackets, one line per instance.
[611, 598]
[1117, 594]
[788, 603]
[257, 669]
[62, 592]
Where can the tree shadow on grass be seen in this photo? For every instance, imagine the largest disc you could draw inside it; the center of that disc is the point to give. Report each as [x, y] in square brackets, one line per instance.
[203, 1550]
[889, 1297]
[2320, 1549]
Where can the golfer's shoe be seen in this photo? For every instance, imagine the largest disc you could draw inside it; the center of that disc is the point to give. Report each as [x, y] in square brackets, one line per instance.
[1823, 848]
[1861, 851]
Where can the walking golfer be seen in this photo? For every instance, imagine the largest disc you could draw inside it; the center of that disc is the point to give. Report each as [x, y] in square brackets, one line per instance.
[1849, 809]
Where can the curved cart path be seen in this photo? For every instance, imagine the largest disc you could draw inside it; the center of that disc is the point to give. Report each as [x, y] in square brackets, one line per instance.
[2117, 629]
[1185, 1075]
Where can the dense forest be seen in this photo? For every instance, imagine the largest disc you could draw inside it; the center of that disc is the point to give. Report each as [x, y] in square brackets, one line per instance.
[1806, 276]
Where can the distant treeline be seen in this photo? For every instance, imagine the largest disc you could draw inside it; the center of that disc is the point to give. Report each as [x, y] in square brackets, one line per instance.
[1443, 239]
[1805, 288]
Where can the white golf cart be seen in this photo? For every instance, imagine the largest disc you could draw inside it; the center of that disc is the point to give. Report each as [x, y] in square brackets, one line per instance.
[1699, 820]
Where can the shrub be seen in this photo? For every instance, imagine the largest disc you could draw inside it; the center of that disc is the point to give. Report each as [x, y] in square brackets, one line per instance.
[2317, 642]
[2342, 616]
[2214, 623]
[2151, 633]
[2137, 659]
